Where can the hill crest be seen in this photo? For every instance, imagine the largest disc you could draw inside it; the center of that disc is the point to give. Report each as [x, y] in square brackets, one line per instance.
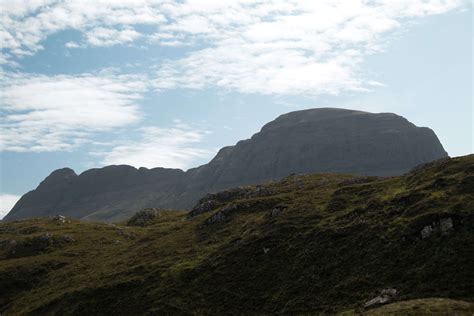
[307, 141]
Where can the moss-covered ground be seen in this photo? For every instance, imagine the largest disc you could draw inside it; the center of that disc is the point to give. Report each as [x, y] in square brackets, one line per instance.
[334, 242]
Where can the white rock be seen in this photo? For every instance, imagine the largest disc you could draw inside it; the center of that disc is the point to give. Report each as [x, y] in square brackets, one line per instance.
[379, 300]
[426, 232]
[446, 224]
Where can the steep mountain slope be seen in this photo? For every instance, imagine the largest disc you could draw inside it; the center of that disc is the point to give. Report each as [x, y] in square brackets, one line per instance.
[316, 140]
[306, 244]
[109, 192]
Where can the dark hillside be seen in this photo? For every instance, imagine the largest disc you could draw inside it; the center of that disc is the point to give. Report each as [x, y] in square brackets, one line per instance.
[305, 244]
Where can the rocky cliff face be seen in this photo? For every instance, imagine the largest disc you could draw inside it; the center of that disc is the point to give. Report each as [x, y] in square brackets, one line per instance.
[309, 141]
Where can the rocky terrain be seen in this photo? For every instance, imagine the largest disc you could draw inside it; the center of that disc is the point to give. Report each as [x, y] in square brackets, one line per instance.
[316, 140]
[308, 244]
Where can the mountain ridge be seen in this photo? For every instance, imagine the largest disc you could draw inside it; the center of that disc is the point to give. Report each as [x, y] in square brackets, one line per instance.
[307, 141]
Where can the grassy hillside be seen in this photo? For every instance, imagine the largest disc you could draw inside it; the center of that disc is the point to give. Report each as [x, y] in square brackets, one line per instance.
[306, 244]
[428, 307]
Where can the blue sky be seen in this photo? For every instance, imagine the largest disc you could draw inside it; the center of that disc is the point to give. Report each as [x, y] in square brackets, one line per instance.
[167, 83]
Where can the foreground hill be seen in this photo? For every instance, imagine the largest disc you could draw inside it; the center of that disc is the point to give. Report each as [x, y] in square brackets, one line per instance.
[306, 244]
[316, 140]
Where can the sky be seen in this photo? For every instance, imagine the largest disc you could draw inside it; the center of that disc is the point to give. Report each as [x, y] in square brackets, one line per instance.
[159, 83]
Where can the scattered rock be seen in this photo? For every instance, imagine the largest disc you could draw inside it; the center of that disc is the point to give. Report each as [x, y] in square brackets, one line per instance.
[376, 301]
[144, 217]
[224, 214]
[444, 227]
[426, 232]
[266, 250]
[68, 238]
[127, 234]
[218, 217]
[45, 238]
[275, 211]
[213, 200]
[259, 191]
[203, 207]
[31, 246]
[386, 296]
[389, 292]
[60, 219]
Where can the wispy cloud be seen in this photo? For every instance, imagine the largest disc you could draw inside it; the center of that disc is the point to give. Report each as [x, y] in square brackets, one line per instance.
[101, 36]
[7, 201]
[174, 147]
[291, 47]
[268, 47]
[72, 45]
[50, 113]
[25, 24]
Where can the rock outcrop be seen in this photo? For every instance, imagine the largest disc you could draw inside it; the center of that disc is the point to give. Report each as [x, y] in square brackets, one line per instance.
[443, 227]
[144, 217]
[386, 296]
[309, 141]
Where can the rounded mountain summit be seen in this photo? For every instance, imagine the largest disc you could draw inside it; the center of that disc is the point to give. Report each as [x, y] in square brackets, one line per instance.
[322, 140]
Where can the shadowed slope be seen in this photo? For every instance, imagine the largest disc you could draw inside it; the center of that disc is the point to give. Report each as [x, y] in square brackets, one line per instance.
[306, 244]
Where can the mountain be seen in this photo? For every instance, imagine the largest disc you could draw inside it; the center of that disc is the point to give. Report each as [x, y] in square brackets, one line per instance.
[305, 245]
[315, 140]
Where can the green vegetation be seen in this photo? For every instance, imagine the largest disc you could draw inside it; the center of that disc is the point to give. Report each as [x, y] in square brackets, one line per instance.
[430, 306]
[311, 244]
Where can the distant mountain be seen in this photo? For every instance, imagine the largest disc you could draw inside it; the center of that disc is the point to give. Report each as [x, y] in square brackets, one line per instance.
[308, 141]
[320, 244]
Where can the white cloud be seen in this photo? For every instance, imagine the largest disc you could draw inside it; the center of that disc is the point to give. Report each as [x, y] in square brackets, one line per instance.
[173, 147]
[50, 113]
[269, 47]
[7, 201]
[108, 37]
[72, 45]
[24, 24]
[167, 39]
[251, 69]
[291, 47]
